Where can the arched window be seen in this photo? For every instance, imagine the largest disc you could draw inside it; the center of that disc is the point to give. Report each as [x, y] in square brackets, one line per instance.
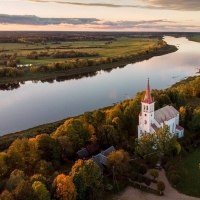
[147, 107]
[145, 121]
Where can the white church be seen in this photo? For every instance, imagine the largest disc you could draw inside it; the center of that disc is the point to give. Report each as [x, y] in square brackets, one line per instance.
[150, 120]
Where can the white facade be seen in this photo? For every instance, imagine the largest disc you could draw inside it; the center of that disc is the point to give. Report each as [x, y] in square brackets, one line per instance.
[150, 120]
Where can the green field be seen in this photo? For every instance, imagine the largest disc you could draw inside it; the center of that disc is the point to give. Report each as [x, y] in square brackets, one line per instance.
[190, 174]
[120, 46]
[195, 38]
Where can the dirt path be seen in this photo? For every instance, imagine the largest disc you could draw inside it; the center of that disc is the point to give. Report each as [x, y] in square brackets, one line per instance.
[169, 194]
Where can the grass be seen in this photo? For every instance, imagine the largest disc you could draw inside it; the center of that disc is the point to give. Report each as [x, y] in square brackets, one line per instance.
[120, 46]
[190, 174]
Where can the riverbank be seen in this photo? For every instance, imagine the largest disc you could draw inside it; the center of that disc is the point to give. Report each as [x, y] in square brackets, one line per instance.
[84, 71]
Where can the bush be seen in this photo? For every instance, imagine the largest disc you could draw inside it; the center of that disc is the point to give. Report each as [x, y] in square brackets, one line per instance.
[175, 179]
[142, 169]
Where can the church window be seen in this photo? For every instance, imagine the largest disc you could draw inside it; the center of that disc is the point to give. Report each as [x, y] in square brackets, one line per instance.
[145, 115]
[145, 122]
[147, 107]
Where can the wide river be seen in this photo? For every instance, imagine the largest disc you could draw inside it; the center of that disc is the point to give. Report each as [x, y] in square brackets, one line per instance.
[37, 103]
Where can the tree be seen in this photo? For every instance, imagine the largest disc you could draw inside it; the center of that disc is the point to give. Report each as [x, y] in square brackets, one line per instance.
[38, 177]
[23, 154]
[195, 122]
[147, 181]
[154, 173]
[75, 130]
[5, 195]
[120, 160]
[144, 144]
[41, 191]
[142, 169]
[107, 135]
[164, 141]
[89, 178]
[3, 163]
[49, 148]
[16, 176]
[161, 186]
[24, 191]
[65, 188]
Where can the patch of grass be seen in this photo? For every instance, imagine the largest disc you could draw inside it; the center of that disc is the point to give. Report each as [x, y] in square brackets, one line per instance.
[190, 174]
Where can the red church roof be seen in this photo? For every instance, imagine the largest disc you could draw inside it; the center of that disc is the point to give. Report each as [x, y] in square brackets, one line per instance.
[148, 98]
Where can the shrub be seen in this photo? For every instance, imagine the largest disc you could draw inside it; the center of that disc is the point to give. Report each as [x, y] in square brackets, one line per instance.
[142, 169]
[174, 178]
[161, 186]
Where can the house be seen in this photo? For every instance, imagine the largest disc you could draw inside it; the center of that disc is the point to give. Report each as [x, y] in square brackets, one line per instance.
[150, 120]
[86, 152]
[101, 158]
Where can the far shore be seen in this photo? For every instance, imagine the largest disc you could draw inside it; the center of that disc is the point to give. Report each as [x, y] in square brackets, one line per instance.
[85, 70]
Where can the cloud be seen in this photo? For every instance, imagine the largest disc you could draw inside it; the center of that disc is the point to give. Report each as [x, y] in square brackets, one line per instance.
[34, 20]
[96, 24]
[182, 5]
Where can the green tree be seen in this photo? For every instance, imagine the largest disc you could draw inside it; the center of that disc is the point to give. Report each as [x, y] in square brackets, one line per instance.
[164, 141]
[161, 186]
[154, 173]
[65, 188]
[144, 144]
[119, 160]
[41, 191]
[90, 178]
[107, 135]
[195, 122]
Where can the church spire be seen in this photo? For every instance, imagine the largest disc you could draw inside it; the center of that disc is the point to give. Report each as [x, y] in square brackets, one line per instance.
[148, 98]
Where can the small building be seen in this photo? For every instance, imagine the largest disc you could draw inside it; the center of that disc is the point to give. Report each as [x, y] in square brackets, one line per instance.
[150, 120]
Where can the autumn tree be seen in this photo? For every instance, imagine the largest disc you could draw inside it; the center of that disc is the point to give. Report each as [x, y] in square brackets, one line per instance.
[75, 130]
[5, 195]
[119, 160]
[65, 188]
[41, 191]
[16, 176]
[87, 177]
[24, 191]
[23, 154]
[3, 163]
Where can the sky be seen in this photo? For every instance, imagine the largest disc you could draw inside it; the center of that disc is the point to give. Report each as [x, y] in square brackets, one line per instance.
[100, 15]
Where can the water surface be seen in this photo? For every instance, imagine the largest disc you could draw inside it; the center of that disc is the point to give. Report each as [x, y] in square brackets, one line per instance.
[38, 103]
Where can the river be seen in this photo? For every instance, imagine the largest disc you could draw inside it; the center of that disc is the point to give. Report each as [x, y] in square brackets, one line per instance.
[33, 104]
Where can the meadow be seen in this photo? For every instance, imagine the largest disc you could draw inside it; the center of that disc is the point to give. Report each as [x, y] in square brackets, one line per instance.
[189, 171]
[119, 46]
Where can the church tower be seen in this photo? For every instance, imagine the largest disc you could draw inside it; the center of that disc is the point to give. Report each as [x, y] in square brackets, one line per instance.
[146, 116]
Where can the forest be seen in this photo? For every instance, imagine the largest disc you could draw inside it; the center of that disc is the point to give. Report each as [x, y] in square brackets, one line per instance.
[44, 165]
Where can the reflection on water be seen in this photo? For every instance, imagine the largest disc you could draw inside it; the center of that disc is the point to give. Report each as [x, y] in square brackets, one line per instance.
[26, 104]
